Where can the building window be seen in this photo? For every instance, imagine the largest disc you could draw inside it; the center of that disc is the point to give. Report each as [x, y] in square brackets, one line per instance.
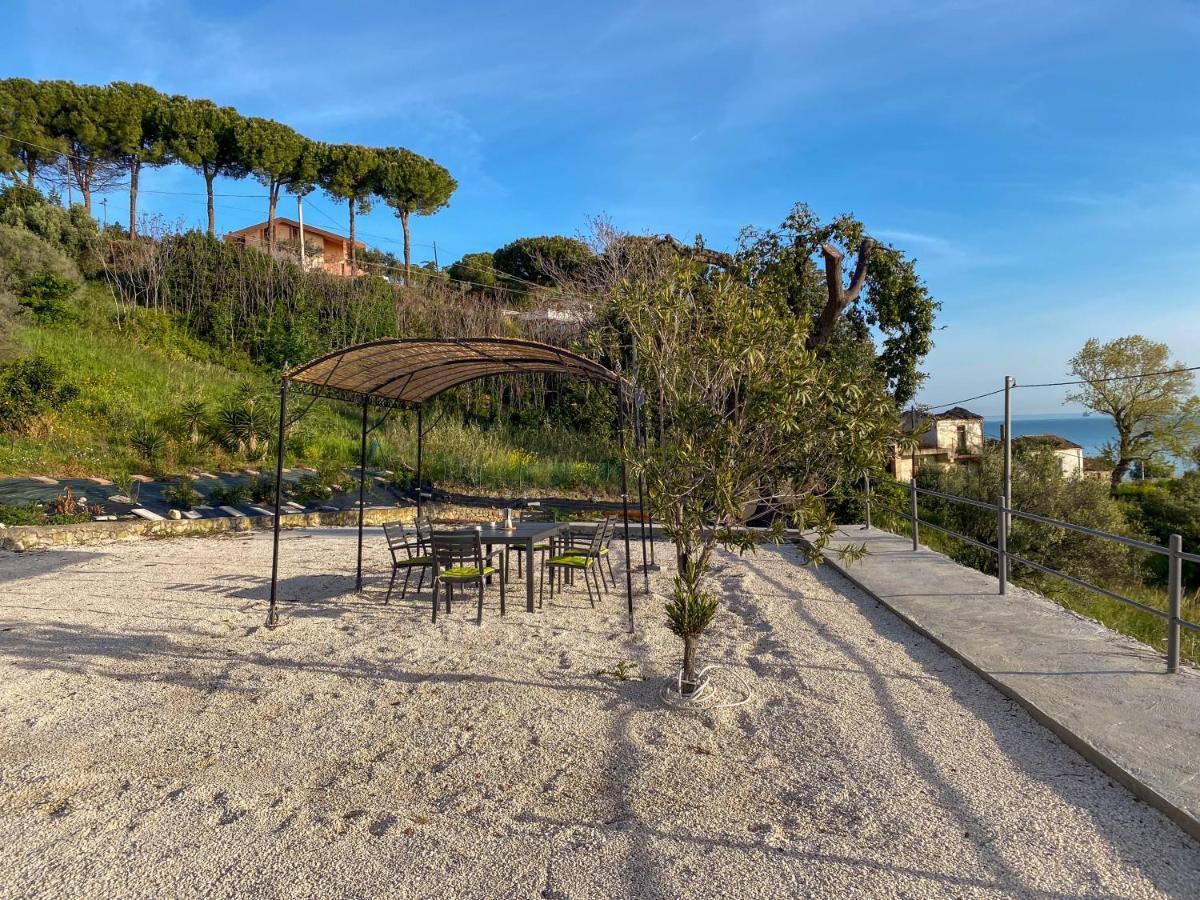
[962, 438]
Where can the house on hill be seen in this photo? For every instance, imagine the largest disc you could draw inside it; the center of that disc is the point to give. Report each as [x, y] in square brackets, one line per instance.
[324, 250]
[951, 437]
[1070, 454]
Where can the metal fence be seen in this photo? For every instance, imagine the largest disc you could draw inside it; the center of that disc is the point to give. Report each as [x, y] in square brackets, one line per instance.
[1004, 515]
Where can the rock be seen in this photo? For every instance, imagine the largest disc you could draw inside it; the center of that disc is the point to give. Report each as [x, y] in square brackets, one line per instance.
[103, 482]
[141, 479]
[119, 498]
[105, 518]
[173, 514]
[42, 479]
[230, 511]
[191, 514]
[146, 514]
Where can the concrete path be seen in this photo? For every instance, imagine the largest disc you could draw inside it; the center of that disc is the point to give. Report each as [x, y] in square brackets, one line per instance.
[1105, 695]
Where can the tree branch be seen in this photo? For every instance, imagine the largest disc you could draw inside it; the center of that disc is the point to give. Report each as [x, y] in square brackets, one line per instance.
[703, 254]
[839, 299]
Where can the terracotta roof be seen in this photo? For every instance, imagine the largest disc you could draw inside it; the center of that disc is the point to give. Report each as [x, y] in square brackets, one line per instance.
[1048, 440]
[283, 220]
[956, 412]
[412, 370]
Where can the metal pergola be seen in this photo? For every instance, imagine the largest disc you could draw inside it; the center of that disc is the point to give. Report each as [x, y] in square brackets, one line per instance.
[406, 373]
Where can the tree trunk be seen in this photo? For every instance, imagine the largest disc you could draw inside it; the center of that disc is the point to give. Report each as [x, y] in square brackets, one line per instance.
[353, 256]
[135, 167]
[407, 250]
[30, 172]
[1119, 471]
[689, 664]
[273, 194]
[212, 214]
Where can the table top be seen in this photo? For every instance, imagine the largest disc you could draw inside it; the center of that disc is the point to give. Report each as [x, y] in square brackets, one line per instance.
[520, 533]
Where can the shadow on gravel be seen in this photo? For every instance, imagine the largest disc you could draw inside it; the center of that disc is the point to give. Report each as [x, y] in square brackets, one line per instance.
[992, 709]
[36, 563]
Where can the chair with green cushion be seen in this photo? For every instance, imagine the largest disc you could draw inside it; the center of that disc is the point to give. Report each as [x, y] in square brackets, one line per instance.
[408, 552]
[459, 559]
[532, 514]
[583, 559]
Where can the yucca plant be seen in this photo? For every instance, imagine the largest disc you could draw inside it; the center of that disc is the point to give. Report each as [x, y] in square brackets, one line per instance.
[148, 441]
[193, 419]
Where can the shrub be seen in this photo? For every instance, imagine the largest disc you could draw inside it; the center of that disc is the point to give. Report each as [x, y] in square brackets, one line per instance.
[72, 232]
[262, 489]
[183, 494]
[46, 296]
[310, 489]
[30, 388]
[148, 441]
[229, 495]
[25, 514]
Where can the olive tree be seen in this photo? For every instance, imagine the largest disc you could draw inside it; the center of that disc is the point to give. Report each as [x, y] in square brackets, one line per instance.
[748, 421]
[1135, 382]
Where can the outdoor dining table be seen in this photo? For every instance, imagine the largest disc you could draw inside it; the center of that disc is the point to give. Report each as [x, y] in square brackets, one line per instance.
[524, 534]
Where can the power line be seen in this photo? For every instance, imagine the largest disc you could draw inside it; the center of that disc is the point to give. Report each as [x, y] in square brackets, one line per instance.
[1112, 378]
[967, 400]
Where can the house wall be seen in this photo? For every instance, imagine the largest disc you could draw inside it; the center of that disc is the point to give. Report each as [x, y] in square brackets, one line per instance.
[1071, 460]
[943, 434]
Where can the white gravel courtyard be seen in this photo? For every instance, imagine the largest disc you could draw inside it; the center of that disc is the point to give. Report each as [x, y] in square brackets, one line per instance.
[156, 741]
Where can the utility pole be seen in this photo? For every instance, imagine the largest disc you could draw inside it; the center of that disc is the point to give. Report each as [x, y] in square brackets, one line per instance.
[1009, 383]
[300, 219]
[436, 267]
[104, 206]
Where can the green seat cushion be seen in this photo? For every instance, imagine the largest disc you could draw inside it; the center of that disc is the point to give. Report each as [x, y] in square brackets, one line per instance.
[415, 561]
[603, 550]
[571, 560]
[457, 572]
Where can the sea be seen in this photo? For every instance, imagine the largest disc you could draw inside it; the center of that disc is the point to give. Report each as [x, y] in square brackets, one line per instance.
[1090, 432]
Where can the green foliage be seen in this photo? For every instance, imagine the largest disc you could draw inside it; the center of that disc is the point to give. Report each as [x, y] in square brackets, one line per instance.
[1165, 508]
[548, 260]
[262, 488]
[783, 264]
[479, 268]
[46, 296]
[31, 388]
[1038, 487]
[1135, 382]
[309, 489]
[748, 421]
[26, 514]
[233, 494]
[148, 441]
[183, 494]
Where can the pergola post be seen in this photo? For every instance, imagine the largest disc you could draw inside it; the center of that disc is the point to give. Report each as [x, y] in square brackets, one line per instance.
[420, 441]
[362, 487]
[639, 433]
[272, 612]
[625, 499]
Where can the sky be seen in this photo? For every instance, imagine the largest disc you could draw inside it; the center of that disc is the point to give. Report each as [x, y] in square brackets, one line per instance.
[1040, 160]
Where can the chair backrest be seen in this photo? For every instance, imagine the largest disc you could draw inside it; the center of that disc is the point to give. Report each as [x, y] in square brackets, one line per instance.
[455, 549]
[399, 540]
[598, 538]
[424, 528]
[537, 514]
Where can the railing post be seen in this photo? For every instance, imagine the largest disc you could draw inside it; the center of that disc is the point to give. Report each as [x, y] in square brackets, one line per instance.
[912, 506]
[1002, 544]
[1174, 598]
[867, 496]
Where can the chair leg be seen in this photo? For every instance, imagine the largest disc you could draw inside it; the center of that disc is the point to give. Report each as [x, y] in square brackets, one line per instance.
[596, 578]
[588, 583]
[479, 617]
[421, 580]
[503, 578]
[449, 594]
[404, 587]
[610, 572]
[391, 584]
[435, 599]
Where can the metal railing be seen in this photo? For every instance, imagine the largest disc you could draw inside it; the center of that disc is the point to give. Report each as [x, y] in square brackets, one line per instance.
[1004, 514]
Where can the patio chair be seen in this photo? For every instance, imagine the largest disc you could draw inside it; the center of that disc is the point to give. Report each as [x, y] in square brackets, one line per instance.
[459, 559]
[608, 527]
[532, 514]
[408, 553]
[583, 559]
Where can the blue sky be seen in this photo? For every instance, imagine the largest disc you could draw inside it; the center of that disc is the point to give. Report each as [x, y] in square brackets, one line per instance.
[1041, 160]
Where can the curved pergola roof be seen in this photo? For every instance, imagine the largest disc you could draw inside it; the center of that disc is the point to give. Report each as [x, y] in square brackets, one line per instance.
[412, 370]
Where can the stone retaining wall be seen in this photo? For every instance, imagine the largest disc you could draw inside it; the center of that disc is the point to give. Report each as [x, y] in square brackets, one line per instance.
[41, 537]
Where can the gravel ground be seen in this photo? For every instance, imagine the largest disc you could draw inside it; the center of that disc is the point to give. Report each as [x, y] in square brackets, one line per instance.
[156, 741]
